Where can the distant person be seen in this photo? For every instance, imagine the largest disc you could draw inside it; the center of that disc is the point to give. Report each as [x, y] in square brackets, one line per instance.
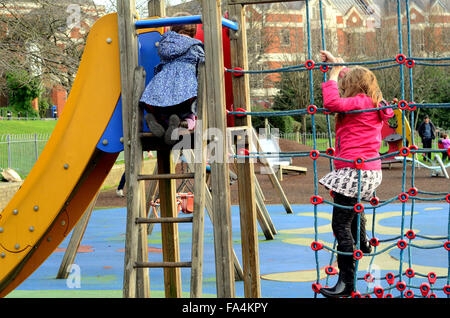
[120, 187]
[444, 143]
[427, 134]
[170, 97]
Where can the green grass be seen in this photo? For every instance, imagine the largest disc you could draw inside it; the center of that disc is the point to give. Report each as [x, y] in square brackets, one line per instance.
[22, 149]
[17, 127]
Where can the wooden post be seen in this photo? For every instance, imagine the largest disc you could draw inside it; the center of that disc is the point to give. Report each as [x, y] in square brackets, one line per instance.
[215, 96]
[199, 186]
[143, 279]
[132, 78]
[156, 8]
[258, 187]
[169, 231]
[263, 210]
[245, 170]
[262, 215]
[209, 209]
[75, 240]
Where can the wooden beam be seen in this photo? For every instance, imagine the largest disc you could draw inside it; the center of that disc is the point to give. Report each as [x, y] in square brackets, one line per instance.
[239, 58]
[75, 240]
[142, 274]
[169, 231]
[164, 220]
[262, 208]
[261, 211]
[281, 168]
[163, 264]
[273, 178]
[209, 209]
[199, 186]
[156, 8]
[249, 232]
[215, 96]
[166, 176]
[242, 2]
[245, 170]
[129, 72]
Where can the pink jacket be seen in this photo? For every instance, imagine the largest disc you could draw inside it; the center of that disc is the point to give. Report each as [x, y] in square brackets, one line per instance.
[446, 143]
[359, 134]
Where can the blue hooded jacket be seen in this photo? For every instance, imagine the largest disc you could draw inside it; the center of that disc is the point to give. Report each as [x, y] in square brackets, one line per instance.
[175, 79]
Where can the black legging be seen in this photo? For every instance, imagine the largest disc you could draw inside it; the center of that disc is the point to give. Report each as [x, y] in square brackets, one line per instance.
[427, 144]
[122, 182]
[344, 223]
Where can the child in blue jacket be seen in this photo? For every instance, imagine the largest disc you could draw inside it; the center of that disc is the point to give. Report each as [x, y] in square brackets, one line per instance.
[170, 97]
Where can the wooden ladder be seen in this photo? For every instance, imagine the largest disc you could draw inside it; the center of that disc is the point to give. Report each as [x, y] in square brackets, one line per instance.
[136, 274]
[169, 229]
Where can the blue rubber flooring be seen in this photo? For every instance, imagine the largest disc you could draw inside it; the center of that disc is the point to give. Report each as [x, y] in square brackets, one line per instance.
[288, 265]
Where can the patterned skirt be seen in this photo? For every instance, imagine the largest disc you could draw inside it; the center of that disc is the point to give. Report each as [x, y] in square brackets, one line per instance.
[345, 182]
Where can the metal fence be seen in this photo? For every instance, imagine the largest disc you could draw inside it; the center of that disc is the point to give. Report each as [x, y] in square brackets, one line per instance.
[322, 139]
[20, 152]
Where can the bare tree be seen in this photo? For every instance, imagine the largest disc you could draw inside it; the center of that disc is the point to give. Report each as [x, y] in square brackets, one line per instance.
[45, 38]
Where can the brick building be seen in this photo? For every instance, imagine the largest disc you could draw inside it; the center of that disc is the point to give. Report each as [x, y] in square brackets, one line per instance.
[354, 29]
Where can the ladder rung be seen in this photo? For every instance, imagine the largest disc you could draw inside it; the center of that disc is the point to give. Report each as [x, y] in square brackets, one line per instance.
[181, 132]
[145, 134]
[165, 220]
[162, 264]
[166, 176]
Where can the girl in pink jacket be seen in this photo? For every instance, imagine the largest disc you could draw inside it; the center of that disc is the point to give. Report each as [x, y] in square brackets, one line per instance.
[358, 135]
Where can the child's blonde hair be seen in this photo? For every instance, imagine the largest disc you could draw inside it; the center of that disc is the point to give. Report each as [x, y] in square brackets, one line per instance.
[186, 29]
[360, 80]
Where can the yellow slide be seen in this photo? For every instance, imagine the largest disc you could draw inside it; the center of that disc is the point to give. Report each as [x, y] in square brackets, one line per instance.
[70, 170]
[399, 129]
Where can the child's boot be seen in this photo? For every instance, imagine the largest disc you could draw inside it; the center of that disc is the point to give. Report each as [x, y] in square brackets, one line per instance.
[184, 124]
[365, 246]
[174, 123]
[345, 284]
[155, 128]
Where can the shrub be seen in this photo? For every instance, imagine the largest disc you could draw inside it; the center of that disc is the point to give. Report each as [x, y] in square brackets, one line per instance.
[22, 89]
[285, 124]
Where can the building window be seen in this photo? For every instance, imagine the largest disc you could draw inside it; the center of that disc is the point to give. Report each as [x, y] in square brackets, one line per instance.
[285, 39]
[417, 41]
[355, 43]
[257, 79]
[314, 13]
